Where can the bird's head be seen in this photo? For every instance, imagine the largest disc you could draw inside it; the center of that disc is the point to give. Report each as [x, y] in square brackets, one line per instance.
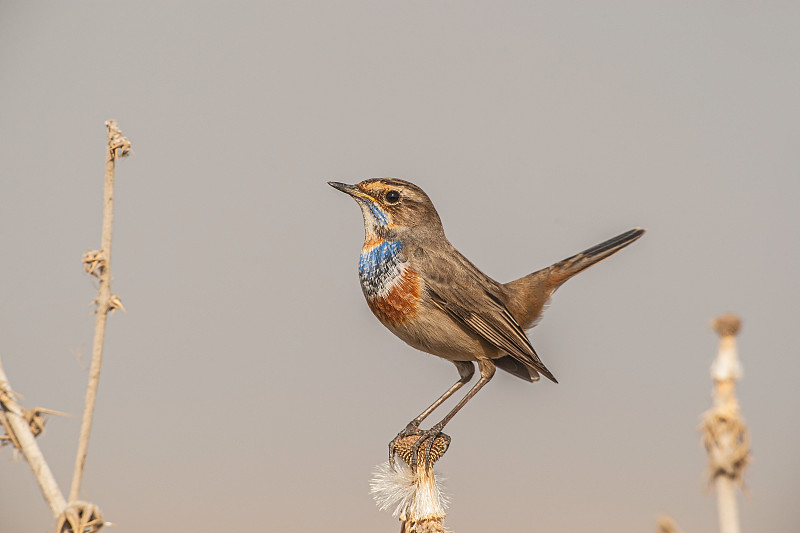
[393, 207]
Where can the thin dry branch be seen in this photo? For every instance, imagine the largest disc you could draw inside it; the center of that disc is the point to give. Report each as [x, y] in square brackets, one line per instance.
[666, 524]
[23, 438]
[725, 434]
[99, 264]
[22, 426]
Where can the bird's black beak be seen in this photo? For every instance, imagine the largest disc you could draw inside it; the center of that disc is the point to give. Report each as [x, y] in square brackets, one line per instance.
[344, 187]
[352, 190]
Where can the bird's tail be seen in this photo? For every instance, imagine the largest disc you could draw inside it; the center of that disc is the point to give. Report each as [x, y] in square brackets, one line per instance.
[563, 270]
[529, 294]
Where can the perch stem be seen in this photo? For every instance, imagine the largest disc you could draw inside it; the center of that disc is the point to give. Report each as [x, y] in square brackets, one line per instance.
[726, 371]
[103, 307]
[30, 449]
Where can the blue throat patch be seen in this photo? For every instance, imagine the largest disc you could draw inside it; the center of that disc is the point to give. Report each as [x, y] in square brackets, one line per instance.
[379, 266]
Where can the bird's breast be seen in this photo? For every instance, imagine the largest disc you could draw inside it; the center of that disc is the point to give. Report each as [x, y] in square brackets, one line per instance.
[390, 285]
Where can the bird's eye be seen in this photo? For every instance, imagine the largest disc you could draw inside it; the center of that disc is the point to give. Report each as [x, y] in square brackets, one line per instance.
[392, 197]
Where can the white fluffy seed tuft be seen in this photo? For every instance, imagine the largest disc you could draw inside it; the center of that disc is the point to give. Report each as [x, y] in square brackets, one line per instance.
[412, 494]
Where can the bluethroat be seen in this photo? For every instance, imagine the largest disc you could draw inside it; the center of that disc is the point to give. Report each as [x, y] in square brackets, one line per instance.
[432, 297]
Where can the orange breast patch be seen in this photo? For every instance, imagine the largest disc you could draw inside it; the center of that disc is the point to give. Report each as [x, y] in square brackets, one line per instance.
[400, 302]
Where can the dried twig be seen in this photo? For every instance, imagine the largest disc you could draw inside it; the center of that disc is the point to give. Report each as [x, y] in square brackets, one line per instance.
[21, 435]
[666, 524]
[98, 263]
[22, 426]
[725, 434]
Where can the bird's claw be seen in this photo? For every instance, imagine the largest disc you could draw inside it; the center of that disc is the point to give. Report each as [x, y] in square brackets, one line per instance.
[410, 430]
[427, 438]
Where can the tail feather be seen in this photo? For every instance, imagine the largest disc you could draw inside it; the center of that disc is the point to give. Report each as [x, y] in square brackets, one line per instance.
[563, 270]
[527, 296]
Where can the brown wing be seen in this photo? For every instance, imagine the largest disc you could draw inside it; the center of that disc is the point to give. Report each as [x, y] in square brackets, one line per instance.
[474, 299]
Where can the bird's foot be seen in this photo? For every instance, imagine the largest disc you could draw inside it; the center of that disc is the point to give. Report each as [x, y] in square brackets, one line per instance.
[411, 441]
[411, 430]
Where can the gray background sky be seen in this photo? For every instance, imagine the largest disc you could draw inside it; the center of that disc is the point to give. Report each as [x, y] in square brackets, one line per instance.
[249, 388]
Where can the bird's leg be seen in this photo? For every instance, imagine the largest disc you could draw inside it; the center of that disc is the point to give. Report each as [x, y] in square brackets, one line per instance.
[486, 368]
[465, 370]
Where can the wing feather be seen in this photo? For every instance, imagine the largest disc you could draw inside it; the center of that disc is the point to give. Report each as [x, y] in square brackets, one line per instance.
[475, 301]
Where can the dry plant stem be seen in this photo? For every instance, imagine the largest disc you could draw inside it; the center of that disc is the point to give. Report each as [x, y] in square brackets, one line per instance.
[426, 514]
[667, 525]
[726, 504]
[30, 449]
[103, 307]
[729, 447]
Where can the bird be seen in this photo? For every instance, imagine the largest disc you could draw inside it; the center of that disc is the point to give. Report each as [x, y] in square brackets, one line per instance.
[432, 297]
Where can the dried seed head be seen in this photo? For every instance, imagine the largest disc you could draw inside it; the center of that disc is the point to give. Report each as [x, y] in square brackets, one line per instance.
[726, 325]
